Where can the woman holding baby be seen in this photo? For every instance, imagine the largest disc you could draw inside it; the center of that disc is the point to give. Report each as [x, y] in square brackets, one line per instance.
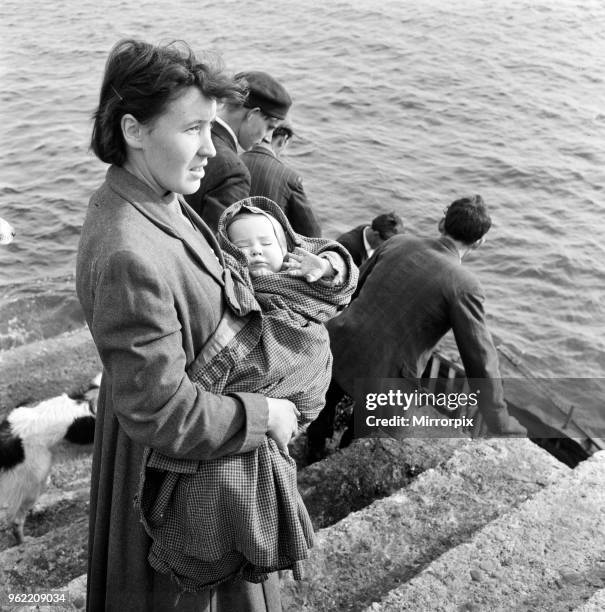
[152, 283]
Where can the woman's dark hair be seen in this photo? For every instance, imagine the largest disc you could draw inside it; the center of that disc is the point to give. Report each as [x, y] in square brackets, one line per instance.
[467, 219]
[142, 79]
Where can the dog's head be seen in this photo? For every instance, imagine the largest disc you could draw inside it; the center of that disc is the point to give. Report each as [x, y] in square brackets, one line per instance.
[7, 232]
[91, 395]
[82, 430]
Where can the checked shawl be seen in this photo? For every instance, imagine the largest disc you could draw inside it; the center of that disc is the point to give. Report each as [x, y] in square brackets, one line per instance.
[242, 514]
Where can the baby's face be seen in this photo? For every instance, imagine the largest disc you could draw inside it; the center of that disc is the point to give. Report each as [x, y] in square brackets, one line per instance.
[255, 236]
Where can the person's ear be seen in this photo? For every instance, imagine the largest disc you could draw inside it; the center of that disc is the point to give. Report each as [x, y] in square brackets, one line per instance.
[441, 226]
[252, 113]
[132, 131]
[478, 243]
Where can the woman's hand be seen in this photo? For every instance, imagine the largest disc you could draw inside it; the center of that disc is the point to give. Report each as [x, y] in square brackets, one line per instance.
[283, 421]
[311, 267]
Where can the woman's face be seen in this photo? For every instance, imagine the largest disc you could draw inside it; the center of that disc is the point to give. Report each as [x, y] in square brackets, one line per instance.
[175, 147]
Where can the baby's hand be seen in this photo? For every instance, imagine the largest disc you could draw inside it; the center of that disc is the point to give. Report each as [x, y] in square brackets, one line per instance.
[305, 264]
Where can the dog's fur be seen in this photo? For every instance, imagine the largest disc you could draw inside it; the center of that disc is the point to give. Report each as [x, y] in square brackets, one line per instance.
[27, 436]
[7, 233]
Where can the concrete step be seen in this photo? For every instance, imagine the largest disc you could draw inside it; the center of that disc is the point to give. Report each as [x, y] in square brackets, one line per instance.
[65, 497]
[595, 604]
[368, 469]
[50, 512]
[347, 480]
[65, 363]
[43, 562]
[546, 555]
[73, 599]
[462, 485]
[56, 531]
[362, 557]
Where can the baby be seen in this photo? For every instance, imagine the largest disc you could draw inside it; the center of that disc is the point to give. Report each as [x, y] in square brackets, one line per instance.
[263, 240]
[242, 514]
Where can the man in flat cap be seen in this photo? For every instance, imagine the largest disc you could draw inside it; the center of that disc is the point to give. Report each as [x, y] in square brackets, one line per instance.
[242, 125]
[364, 239]
[272, 178]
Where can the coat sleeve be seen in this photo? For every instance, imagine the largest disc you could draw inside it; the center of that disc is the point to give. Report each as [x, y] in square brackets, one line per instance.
[233, 185]
[299, 211]
[349, 241]
[138, 335]
[365, 270]
[479, 355]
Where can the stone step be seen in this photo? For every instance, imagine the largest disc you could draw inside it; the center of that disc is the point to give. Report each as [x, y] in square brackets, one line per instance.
[43, 562]
[341, 482]
[46, 368]
[65, 497]
[347, 480]
[368, 553]
[595, 604]
[344, 482]
[368, 469]
[56, 531]
[49, 513]
[70, 468]
[73, 599]
[546, 555]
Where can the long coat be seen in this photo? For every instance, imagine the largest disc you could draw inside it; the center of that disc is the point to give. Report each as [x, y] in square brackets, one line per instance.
[226, 179]
[152, 291]
[410, 293]
[271, 178]
[353, 242]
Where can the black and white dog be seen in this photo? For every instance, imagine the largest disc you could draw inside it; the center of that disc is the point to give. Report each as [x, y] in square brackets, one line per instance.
[27, 436]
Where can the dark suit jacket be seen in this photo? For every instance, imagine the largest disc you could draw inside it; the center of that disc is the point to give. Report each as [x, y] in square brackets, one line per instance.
[271, 178]
[353, 242]
[152, 292]
[410, 293]
[226, 180]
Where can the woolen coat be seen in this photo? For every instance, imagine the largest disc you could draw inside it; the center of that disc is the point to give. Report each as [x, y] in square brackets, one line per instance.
[410, 293]
[271, 178]
[152, 289]
[226, 179]
[353, 242]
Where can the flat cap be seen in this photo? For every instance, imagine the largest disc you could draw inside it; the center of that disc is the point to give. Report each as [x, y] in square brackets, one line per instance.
[266, 93]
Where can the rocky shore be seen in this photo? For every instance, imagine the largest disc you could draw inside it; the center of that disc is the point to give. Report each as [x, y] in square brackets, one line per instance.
[422, 525]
